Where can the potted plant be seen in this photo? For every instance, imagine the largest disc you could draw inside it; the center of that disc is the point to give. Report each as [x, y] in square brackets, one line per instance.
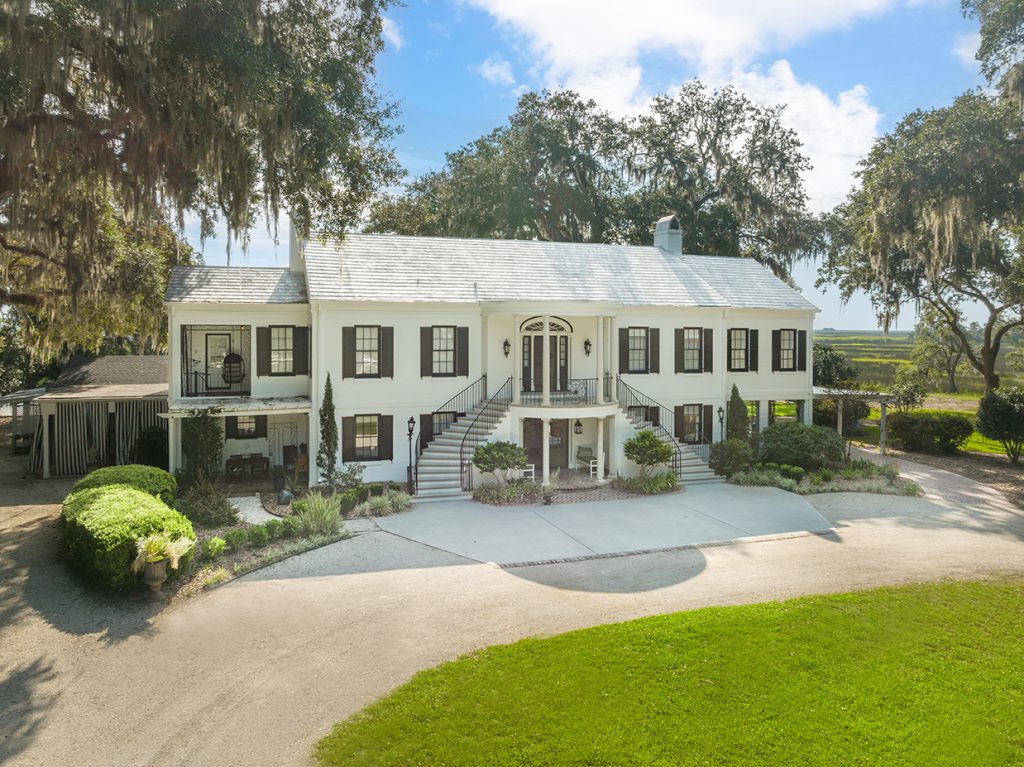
[155, 552]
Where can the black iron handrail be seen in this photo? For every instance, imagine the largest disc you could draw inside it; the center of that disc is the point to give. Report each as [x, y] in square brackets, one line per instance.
[653, 416]
[457, 407]
[490, 415]
[197, 385]
[574, 391]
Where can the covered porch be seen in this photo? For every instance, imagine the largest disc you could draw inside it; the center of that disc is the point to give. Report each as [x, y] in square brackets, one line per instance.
[570, 440]
[261, 435]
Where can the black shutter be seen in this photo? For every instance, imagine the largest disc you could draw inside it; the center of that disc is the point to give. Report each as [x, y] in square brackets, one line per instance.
[654, 414]
[426, 429]
[230, 427]
[801, 350]
[385, 437]
[623, 350]
[348, 439]
[776, 350]
[752, 353]
[709, 350]
[387, 352]
[348, 352]
[261, 427]
[426, 352]
[262, 351]
[708, 427]
[462, 351]
[654, 340]
[300, 355]
[728, 350]
[680, 345]
[680, 422]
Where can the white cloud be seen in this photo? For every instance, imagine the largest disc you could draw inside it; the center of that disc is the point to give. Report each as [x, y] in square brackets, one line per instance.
[597, 49]
[496, 70]
[965, 47]
[393, 34]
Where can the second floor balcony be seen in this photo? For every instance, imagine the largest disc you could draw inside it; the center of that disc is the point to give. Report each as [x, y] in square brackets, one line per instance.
[568, 392]
[215, 360]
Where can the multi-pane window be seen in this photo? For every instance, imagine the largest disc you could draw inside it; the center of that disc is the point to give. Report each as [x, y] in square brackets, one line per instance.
[367, 436]
[638, 346]
[691, 423]
[738, 349]
[692, 350]
[754, 413]
[282, 350]
[444, 350]
[787, 350]
[245, 427]
[367, 351]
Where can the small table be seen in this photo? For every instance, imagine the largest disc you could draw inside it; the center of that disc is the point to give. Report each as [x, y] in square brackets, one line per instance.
[259, 465]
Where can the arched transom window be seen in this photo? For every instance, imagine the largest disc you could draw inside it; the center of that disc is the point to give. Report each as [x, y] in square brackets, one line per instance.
[536, 325]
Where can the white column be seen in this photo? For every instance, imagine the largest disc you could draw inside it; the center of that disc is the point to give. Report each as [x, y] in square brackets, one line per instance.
[172, 444]
[600, 448]
[613, 360]
[546, 373]
[839, 416]
[485, 342]
[46, 442]
[546, 449]
[599, 353]
[612, 447]
[517, 361]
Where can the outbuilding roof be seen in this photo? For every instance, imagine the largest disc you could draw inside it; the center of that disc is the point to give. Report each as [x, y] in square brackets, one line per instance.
[393, 268]
[115, 370]
[235, 285]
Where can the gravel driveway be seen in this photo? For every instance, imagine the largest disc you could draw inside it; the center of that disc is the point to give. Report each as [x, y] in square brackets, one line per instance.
[255, 672]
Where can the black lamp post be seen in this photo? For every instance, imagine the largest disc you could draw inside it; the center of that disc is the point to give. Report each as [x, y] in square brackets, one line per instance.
[721, 422]
[412, 427]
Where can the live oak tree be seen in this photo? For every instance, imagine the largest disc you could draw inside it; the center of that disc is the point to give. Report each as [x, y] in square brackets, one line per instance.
[938, 351]
[1001, 50]
[562, 169]
[937, 220]
[145, 111]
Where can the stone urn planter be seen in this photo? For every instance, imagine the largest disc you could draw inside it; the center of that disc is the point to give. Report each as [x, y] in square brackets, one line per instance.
[154, 576]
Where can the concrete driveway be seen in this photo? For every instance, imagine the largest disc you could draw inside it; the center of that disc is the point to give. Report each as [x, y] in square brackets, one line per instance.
[526, 535]
[255, 672]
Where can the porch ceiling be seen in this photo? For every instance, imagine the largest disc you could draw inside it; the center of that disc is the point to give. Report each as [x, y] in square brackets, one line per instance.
[241, 405]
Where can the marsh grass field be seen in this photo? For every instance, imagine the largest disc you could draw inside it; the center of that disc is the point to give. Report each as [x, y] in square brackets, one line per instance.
[878, 357]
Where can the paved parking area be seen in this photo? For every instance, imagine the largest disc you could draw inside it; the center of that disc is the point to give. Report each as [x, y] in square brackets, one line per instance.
[517, 535]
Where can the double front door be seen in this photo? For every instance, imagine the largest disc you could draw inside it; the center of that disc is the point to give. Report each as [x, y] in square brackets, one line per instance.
[533, 362]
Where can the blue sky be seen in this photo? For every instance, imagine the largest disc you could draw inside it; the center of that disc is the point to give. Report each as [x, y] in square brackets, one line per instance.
[848, 70]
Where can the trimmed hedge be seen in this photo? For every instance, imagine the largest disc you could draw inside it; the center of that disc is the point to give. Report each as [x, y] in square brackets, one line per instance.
[924, 432]
[148, 479]
[102, 524]
[798, 444]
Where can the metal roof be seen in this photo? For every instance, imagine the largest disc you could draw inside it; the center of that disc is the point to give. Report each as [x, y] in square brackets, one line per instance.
[393, 268]
[235, 285]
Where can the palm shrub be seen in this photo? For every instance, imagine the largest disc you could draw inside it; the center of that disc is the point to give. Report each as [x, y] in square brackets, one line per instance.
[148, 479]
[798, 444]
[647, 451]
[499, 458]
[318, 514]
[1001, 417]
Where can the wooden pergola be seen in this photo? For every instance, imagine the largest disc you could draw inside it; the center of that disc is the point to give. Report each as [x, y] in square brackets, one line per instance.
[839, 396]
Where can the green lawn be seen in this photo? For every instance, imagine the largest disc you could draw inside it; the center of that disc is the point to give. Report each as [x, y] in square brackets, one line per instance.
[975, 443]
[920, 675]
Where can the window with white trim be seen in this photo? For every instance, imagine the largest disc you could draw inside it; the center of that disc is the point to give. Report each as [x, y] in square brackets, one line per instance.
[282, 350]
[367, 437]
[692, 350]
[367, 351]
[738, 349]
[638, 350]
[787, 350]
[443, 350]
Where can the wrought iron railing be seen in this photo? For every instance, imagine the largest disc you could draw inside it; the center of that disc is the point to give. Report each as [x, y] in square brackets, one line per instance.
[651, 415]
[490, 415]
[197, 384]
[232, 376]
[574, 391]
[457, 407]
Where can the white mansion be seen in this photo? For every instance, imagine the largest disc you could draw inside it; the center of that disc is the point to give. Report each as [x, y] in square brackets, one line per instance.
[435, 345]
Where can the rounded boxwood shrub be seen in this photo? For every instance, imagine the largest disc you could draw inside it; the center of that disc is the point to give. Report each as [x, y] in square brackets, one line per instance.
[148, 479]
[798, 444]
[102, 525]
[731, 456]
[927, 432]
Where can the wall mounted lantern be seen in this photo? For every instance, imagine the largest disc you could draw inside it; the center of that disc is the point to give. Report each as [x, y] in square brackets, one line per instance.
[587, 347]
[507, 347]
[577, 427]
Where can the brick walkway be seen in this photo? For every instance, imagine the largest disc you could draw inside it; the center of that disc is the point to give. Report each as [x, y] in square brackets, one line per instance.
[606, 493]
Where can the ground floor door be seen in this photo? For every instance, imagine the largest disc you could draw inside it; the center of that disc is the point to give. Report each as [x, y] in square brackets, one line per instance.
[558, 443]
